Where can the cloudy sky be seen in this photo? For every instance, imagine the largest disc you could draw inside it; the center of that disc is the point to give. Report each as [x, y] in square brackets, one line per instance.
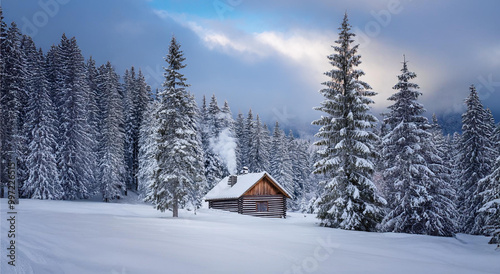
[270, 55]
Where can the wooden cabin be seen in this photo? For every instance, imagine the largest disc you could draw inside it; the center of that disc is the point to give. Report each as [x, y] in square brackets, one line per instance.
[256, 194]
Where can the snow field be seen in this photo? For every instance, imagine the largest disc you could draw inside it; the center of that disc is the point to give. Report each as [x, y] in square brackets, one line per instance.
[95, 237]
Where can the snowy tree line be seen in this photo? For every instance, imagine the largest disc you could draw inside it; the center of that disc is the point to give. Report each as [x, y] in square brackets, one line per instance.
[404, 175]
[78, 130]
[72, 127]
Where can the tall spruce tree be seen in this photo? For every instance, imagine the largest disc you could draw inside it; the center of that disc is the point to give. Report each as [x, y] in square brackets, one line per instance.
[475, 161]
[179, 178]
[280, 161]
[135, 101]
[442, 211]
[148, 147]
[350, 200]
[75, 155]
[128, 86]
[259, 154]
[93, 117]
[301, 169]
[421, 197]
[241, 141]
[29, 53]
[246, 142]
[111, 162]
[43, 178]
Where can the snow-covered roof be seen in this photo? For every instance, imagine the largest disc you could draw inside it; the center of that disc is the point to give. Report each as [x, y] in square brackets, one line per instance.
[245, 181]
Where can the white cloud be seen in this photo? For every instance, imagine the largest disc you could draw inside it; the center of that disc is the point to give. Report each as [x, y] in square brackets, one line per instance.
[308, 49]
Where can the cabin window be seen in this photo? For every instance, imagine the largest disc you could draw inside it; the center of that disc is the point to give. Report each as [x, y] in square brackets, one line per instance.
[262, 207]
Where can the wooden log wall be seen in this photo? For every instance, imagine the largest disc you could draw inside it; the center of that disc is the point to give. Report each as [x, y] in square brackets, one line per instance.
[228, 205]
[276, 206]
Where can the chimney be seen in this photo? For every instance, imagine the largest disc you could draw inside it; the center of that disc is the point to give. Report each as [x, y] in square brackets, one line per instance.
[232, 180]
[245, 170]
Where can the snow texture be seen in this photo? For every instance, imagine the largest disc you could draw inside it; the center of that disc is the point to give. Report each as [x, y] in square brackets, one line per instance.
[90, 237]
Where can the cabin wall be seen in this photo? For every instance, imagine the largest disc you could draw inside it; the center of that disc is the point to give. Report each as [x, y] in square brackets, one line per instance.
[276, 205]
[227, 205]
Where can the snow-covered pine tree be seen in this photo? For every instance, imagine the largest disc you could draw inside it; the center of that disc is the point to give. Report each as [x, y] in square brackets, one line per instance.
[350, 200]
[11, 94]
[128, 86]
[43, 178]
[111, 162]
[475, 164]
[239, 129]
[496, 138]
[258, 159]
[215, 170]
[489, 213]
[301, 169]
[74, 154]
[421, 201]
[315, 187]
[442, 213]
[492, 128]
[93, 112]
[406, 168]
[140, 101]
[245, 142]
[179, 177]
[311, 187]
[213, 116]
[378, 179]
[148, 147]
[135, 99]
[455, 157]
[280, 161]
[227, 120]
[29, 53]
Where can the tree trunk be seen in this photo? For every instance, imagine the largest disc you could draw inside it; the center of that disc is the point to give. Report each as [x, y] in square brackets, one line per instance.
[175, 208]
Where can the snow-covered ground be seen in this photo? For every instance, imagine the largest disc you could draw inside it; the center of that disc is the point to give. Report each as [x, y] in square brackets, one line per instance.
[95, 237]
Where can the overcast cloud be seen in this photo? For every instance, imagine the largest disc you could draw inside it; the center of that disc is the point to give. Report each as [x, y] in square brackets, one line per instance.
[270, 55]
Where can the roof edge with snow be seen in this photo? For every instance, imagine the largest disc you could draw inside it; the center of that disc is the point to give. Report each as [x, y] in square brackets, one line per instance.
[223, 191]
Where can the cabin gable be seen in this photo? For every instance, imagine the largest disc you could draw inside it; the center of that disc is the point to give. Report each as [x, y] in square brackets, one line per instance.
[262, 187]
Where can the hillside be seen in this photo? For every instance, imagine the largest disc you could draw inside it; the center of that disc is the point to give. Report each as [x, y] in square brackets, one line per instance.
[95, 237]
